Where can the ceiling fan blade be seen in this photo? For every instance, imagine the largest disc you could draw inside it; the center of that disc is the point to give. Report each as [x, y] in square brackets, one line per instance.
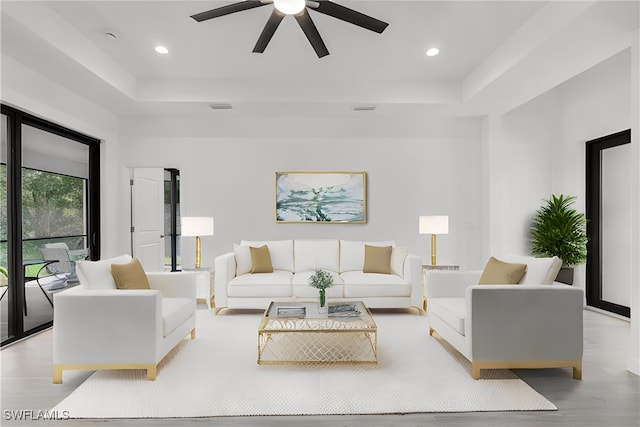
[267, 32]
[228, 9]
[349, 15]
[310, 30]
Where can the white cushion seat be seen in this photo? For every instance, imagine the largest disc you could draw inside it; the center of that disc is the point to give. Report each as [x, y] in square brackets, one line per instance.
[452, 311]
[362, 285]
[175, 311]
[276, 284]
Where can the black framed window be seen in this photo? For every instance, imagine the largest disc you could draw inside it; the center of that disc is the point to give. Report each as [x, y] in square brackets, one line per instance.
[608, 210]
[49, 191]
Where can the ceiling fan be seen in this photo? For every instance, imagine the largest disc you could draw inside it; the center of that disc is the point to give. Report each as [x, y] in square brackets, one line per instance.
[297, 8]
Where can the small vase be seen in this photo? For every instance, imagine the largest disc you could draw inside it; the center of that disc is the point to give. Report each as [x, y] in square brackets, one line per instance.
[322, 302]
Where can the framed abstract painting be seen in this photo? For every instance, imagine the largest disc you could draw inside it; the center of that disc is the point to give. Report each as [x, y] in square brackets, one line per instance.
[321, 197]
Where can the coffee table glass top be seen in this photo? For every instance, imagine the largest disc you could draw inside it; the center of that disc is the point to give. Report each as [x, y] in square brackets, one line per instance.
[348, 315]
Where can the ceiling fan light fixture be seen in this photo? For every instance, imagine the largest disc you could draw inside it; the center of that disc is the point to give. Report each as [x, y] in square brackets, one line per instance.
[289, 7]
[433, 51]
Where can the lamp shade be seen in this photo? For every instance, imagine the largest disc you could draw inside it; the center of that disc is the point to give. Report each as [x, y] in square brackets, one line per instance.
[197, 226]
[434, 224]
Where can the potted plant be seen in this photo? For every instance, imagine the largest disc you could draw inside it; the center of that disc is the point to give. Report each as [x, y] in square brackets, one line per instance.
[558, 230]
[321, 280]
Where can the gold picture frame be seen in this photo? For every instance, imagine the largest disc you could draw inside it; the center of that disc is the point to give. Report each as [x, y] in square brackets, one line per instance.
[320, 197]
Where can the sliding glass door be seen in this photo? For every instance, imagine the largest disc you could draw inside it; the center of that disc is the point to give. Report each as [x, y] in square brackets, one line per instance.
[50, 217]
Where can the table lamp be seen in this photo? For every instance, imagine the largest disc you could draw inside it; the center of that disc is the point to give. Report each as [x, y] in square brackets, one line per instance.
[197, 226]
[433, 224]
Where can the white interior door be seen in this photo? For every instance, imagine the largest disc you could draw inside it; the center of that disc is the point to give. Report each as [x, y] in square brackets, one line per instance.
[147, 217]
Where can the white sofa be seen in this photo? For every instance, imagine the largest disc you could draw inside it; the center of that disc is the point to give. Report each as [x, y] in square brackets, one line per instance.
[294, 261]
[534, 324]
[96, 326]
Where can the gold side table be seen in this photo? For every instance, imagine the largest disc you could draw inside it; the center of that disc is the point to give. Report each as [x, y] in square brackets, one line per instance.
[430, 267]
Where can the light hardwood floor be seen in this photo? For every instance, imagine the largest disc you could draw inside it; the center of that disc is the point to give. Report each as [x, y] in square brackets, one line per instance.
[607, 396]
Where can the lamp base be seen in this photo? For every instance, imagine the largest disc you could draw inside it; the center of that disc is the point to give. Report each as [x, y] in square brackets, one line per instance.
[433, 249]
[197, 251]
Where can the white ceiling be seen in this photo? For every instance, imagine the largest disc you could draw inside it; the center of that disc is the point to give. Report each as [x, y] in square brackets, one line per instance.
[482, 43]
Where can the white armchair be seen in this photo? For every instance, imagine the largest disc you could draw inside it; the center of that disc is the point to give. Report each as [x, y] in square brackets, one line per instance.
[529, 325]
[96, 326]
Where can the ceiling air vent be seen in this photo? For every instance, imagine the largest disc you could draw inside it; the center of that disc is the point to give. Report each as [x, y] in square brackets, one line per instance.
[221, 106]
[364, 107]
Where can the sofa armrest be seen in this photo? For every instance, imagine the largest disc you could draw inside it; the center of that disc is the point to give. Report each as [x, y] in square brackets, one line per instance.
[449, 284]
[175, 284]
[128, 322]
[412, 272]
[524, 322]
[225, 265]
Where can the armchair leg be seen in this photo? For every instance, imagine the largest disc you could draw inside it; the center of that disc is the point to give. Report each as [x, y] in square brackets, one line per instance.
[152, 372]
[193, 334]
[57, 374]
[475, 371]
[577, 371]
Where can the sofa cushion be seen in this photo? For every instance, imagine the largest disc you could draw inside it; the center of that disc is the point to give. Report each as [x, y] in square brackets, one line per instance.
[362, 285]
[281, 252]
[498, 272]
[130, 275]
[539, 270]
[398, 254]
[276, 285]
[452, 311]
[310, 255]
[352, 254]
[260, 260]
[175, 311]
[243, 259]
[377, 259]
[96, 275]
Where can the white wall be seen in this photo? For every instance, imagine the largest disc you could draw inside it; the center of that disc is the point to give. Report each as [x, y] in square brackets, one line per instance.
[32, 92]
[233, 180]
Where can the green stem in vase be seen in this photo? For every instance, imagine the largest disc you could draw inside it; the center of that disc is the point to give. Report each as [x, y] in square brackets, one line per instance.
[322, 297]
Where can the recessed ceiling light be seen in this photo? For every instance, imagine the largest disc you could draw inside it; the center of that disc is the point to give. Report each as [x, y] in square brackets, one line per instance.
[433, 51]
[161, 49]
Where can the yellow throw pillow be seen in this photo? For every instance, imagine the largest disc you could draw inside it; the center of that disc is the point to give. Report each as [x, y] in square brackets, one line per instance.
[261, 260]
[130, 275]
[498, 272]
[377, 259]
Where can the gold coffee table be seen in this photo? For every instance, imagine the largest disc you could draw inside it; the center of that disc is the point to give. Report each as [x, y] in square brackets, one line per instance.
[295, 333]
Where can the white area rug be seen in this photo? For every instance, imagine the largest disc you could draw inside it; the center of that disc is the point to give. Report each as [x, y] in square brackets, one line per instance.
[217, 375]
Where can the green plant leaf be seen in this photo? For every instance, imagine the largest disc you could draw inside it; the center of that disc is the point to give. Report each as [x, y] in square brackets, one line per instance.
[558, 230]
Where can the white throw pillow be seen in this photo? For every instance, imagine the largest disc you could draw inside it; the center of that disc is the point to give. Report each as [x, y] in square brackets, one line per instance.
[398, 254]
[540, 271]
[243, 259]
[96, 275]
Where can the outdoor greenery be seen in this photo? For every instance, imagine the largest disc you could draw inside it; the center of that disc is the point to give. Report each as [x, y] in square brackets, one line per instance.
[52, 206]
[558, 230]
